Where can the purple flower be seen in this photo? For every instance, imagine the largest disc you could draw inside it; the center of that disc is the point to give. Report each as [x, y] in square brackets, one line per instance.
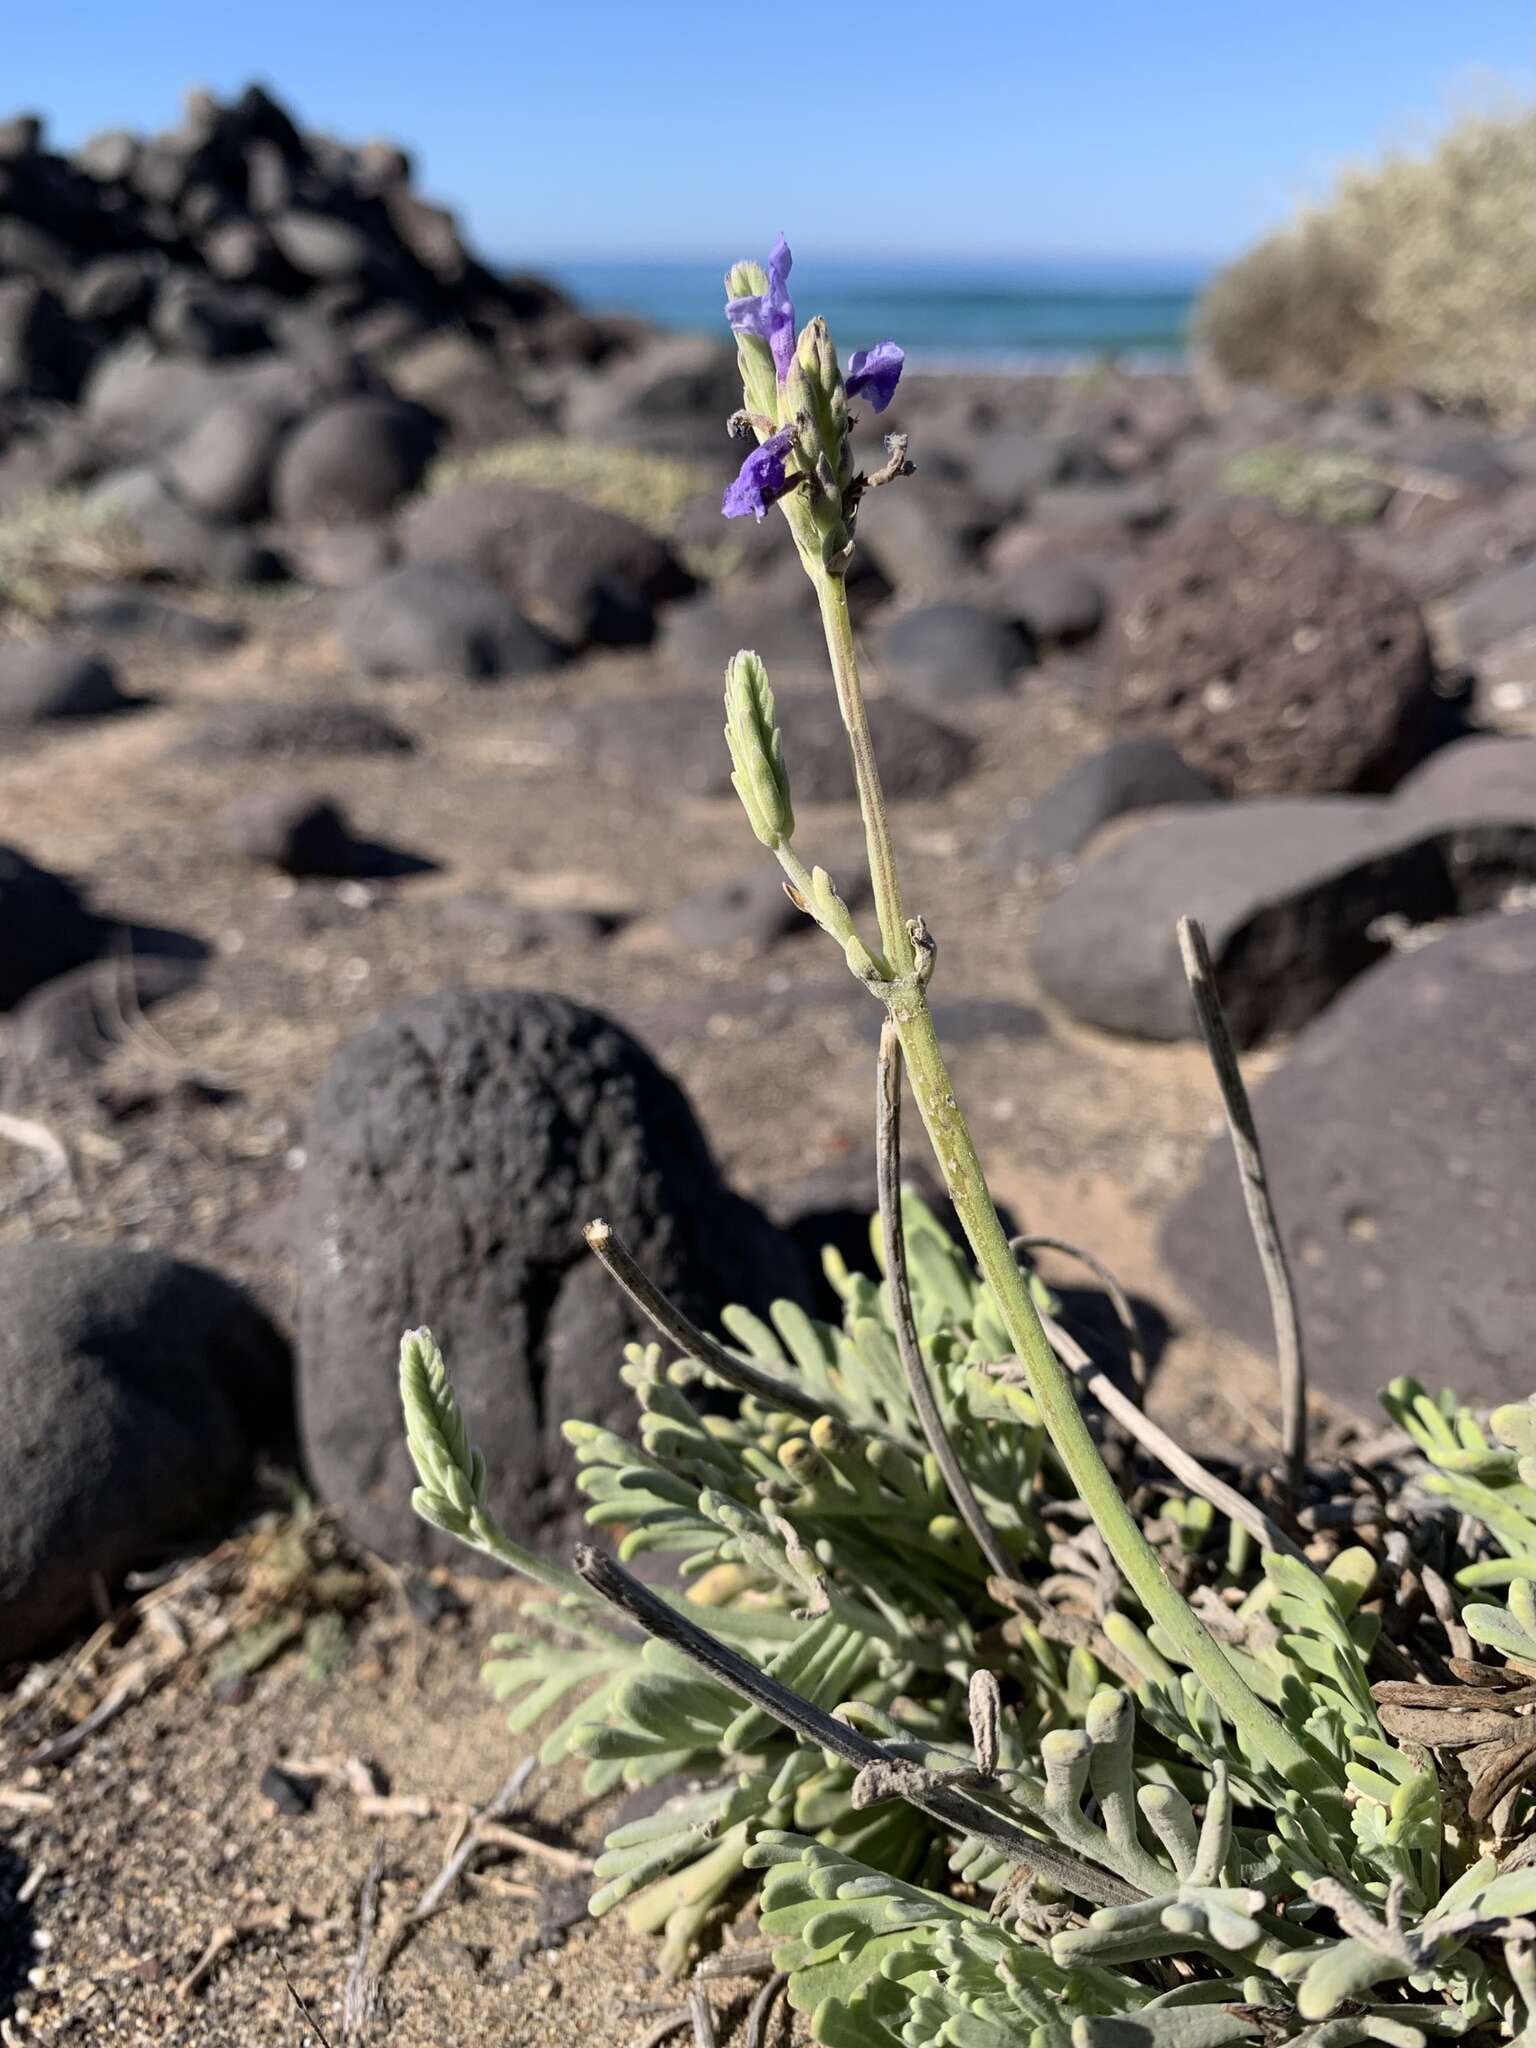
[761, 479]
[874, 373]
[771, 315]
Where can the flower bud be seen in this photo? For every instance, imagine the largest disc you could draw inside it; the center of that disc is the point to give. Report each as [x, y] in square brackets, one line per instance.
[754, 357]
[815, 400]
[757, 751]
[746, 281]
[816, 354]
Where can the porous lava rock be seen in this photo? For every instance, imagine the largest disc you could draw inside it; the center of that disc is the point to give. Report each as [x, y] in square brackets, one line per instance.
[354, 460]
[135, 1390]
[1275, 660]
[454, 1151]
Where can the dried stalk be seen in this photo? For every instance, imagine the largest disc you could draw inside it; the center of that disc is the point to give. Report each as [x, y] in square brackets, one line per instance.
[669, 2024]
[1171, 1454]
[1256, 1196]
[762, 2009]
[360, 1998]
[1119, 1300]
[941, 1801]
[665, 1316]
[702, 2018]
[135, 1681]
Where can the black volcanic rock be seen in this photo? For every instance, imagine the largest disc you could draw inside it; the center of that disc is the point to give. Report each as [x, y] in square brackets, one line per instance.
[454, 1151]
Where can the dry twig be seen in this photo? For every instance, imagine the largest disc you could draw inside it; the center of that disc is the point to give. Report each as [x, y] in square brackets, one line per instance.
[703, 2020]
[18, 1801]
[1118, 1299]
[468, 1839]
[943, 1801]
[313, 2024]
[496, 1834]
[762, 2009]
[134, 1682]
[229, 1936]
[1184, 1466]
[36, 1137]
[360, 1997]
[734, 1962]
[1261, 1209]
[730, 1366]
[669, 2024]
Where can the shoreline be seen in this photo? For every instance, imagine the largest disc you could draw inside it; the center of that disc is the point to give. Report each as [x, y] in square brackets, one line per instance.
[1049, 362]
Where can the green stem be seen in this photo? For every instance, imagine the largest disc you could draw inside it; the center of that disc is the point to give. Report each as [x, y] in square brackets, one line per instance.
[486, 1535]
[1049, 1381]
[832, 595]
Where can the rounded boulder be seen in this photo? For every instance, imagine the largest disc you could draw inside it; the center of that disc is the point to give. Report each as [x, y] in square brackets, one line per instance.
[584, 574]
[135, 1389]
[435, 618]
[1275, 660]
[45, 927]
[223, 468]
[947, 653]
[455, 1150]
[354, 459]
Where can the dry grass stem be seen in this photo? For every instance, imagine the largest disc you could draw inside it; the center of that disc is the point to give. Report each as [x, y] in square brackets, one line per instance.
[1256, 1196]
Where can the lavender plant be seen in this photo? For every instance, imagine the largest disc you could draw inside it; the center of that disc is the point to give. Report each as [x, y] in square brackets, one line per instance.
[1017, 1750]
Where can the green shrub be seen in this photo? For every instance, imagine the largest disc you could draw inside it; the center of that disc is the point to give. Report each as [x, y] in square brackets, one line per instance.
[1305, 483]
[56, 537]
[1421, 272]
[1184, 1892]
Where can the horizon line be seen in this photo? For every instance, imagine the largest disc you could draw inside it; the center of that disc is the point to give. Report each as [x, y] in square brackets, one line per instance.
[1093, 259]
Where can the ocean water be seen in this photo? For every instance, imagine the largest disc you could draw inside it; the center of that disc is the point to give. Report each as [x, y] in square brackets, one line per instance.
[945, 316]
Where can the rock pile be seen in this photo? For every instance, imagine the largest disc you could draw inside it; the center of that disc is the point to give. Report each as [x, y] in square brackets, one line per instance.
[233, 236]
[235, 321]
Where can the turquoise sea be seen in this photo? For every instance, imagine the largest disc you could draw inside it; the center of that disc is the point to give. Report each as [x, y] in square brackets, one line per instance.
[946, 316]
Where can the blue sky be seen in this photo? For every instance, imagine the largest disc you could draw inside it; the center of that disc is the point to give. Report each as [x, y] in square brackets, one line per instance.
[925, 128]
